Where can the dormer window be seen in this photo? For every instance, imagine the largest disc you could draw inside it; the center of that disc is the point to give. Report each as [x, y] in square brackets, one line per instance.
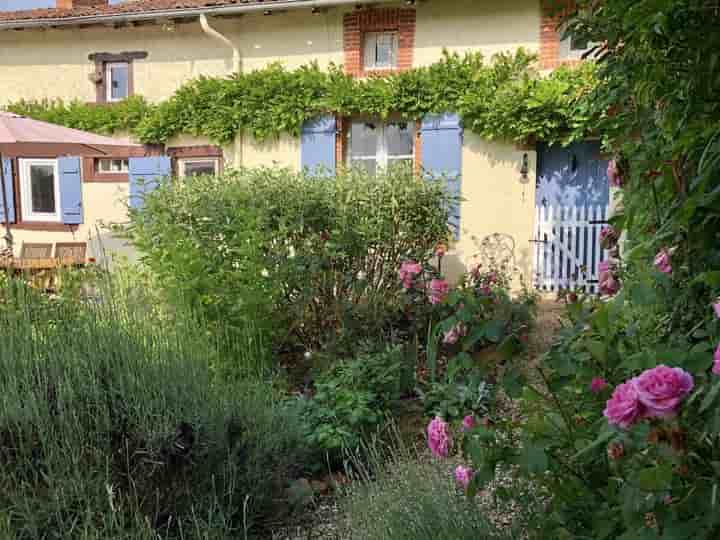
[380, 50]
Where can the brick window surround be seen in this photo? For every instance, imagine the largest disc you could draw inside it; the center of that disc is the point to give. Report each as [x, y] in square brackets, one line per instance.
[553, 12]
[360, 21]
[99, 76]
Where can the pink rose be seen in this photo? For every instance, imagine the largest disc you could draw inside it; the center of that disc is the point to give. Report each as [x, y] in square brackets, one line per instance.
[408, 271]
[439, 438]
[716, 307]
[463, 476]
[608, 237]
[661, 390]
[439, 289]
[455, 333]
[716, 364]
[623, 408]
[468, 422]
[607, 281]
[662, 261]
[613, 174]
[598, 384]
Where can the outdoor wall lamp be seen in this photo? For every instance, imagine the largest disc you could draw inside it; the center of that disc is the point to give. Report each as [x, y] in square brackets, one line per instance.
[524, 169]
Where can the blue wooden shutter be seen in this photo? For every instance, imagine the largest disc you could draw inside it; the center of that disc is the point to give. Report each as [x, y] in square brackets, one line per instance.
[145, 174]
[71, 206]
[442, 140]
[9, 192]
[317, 144]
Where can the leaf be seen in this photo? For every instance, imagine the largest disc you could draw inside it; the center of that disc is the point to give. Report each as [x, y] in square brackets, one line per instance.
[494, 330]
[598, 350]
[599, 441]
[655, 478]
[711, 396]
[534, 459]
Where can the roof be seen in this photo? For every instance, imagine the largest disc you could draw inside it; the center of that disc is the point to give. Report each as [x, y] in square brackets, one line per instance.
[16, 129]
[144, 9]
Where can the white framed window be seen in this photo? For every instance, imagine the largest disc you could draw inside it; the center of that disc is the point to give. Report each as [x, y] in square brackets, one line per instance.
[374, 145]
[117, 80]
[39, 190]
[112, 165]
[380, 50]
[572, 48]
[198, 166]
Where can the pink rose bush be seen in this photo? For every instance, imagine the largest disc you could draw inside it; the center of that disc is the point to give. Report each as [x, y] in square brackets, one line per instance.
[409, 270]
[716, 361]
[598, 384]
[468, 422]
[662, 261]
[453, 335]
[613, 174]
[439, 437]
[655, 393]
[607, 281]
[463, 476]
[608, 237]
[438, 290]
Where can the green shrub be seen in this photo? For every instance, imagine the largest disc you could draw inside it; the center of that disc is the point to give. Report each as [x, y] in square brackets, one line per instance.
[354, 397]
[301, 256]
[113, 424]
[401, 495]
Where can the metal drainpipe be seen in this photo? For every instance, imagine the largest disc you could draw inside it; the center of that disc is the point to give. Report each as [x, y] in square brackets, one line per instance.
[210, 31]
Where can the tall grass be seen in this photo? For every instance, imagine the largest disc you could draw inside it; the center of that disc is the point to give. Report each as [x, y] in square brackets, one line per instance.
[398, 494]
[114, 422]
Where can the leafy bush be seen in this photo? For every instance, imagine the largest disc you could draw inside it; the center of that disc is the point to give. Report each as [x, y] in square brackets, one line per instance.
[401, 495]
[113, 424]
[309, 259]
[354, 397]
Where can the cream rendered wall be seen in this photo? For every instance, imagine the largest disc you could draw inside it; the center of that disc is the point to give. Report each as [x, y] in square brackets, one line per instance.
[495, 201]
[105, 205]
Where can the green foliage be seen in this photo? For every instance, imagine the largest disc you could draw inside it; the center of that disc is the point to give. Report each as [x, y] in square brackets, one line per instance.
[398, 495]
[107, 119]
[308, 260]
[504, 99]
[354, 398]
[113, 423]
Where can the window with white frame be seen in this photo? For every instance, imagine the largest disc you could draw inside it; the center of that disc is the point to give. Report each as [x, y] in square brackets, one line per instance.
[39, 190]
[198, 167]
[572, 47]
[380, 50]
[117, 77]
[374, 145]
[112, 166]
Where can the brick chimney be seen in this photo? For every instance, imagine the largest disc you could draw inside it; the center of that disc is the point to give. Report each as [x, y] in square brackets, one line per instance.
[70, 4]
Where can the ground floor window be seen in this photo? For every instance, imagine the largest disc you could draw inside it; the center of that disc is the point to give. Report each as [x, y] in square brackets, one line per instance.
[375, 144]
[198, 166]
[112, 166]
[39, 190]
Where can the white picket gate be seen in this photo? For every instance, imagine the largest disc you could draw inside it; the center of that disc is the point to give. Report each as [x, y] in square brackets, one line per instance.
[567, 247]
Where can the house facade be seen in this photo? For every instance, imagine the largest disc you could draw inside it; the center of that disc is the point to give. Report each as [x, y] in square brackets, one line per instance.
[98, 53]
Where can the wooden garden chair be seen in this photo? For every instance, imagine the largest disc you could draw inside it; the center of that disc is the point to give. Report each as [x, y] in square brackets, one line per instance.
[34, 251]
[71, 252]
[40, 254]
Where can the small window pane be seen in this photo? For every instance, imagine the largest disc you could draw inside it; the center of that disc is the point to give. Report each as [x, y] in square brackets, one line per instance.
[380, 50]
[364, 138]
[42, 189]
[400, 139]
[199, 168]
[118, 80]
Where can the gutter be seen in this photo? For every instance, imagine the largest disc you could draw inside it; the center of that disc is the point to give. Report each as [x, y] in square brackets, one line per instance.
[182, 13]
[210, 31]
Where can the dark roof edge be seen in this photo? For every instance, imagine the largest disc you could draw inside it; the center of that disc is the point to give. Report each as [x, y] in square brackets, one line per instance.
[177, 13]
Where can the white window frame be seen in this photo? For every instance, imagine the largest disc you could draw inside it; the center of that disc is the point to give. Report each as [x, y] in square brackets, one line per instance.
[124, 166]
[26, 195]
[382, 157]
[566, 52]
[370, 43]
[183, 161]
[108, 80]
